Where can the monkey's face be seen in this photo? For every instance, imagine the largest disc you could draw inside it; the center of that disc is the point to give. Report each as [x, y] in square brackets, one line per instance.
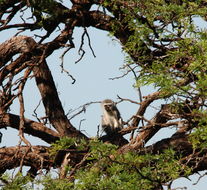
[108, 107]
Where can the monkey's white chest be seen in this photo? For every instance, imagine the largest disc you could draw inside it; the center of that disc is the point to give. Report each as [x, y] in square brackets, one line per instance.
[111, 121]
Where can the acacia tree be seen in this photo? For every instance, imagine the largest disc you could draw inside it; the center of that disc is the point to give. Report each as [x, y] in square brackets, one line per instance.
[165, 49]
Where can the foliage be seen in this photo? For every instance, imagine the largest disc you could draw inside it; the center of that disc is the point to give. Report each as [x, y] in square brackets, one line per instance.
[198, 136]
[49, 183]
[180, 72]
[187, 44]
[66, 143]
[110, 170]
[19, 182]
[129, 171]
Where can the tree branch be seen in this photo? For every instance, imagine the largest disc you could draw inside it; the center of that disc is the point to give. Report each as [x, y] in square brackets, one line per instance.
[31, 127]
[11, 157]
[52, 104]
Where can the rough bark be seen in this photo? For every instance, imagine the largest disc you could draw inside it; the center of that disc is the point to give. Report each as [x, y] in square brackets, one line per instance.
[12, 157]
[45, 83]
[52, 104]
[195, 159]
[31, 127]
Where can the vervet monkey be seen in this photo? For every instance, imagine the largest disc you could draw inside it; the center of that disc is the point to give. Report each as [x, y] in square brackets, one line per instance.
[111, 119]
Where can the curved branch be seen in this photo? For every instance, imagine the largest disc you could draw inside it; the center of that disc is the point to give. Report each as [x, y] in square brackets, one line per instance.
[44, 79]
[195, 159]
[52, 104]
[31, 127]
[12, 157]
[144, 105]
[18, 44]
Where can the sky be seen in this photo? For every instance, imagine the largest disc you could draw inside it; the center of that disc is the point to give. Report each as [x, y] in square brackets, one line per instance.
[92, 84]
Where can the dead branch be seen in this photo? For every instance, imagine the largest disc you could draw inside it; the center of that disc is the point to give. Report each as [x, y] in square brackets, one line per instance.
[11, 157]
[21, 123]
[81, 109]
[30, 127]
[63, 168]
[22, 110]
[69, 47]
[18, 44]
[52, 104]
[126, 99]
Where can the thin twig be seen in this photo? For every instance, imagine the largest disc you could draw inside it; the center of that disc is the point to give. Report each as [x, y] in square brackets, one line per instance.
[89, 42]
[35, 113]
[140, 96]
[126, 99]
[77, 166]
[22, 110]
[201, 176]
[69, 47]
[79, 128]
[121, 76]
[83, 109]
[81, 51]
[124, 74]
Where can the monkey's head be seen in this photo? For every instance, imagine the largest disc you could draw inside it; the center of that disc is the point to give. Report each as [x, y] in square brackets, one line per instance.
[108, 105]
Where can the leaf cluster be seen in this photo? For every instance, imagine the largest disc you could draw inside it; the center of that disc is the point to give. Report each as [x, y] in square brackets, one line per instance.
[19, 182]
[67, 143]
[107, 169]
[166, 42]
[198, 136]
[128, 171]
[50, 183]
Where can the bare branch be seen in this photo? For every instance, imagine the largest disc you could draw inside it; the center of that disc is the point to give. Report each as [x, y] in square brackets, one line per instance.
[62, 61]
[51, 101]
[126, 99]
[31, 127]
[89, 42]
[11, 157]
[82, 109]
[22, 110]
[19, 44]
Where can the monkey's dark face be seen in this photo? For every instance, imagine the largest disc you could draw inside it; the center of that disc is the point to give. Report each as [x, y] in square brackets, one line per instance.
[109, 107]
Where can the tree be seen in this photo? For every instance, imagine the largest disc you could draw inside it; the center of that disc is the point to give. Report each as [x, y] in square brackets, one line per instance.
[165, 49]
